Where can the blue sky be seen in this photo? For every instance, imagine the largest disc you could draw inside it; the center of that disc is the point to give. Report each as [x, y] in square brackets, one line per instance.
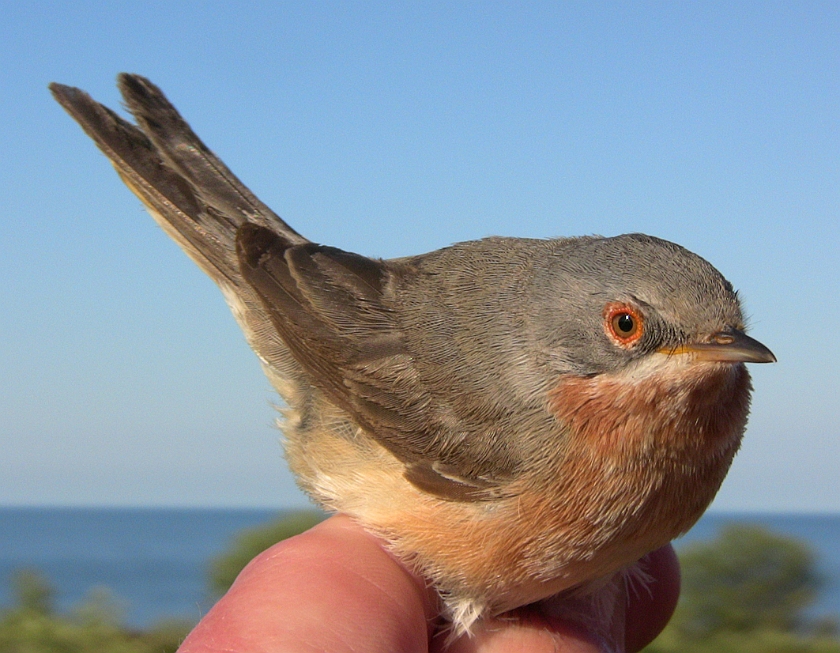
[391, 129]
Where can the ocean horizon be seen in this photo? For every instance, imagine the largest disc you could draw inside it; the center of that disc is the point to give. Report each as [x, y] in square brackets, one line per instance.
[155, 561]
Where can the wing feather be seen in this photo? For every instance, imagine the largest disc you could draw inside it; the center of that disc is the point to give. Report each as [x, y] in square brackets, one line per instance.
[330, 307]
[313, 314]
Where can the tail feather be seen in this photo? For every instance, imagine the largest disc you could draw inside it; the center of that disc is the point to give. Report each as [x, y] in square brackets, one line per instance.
[194, 197]
[185, 153]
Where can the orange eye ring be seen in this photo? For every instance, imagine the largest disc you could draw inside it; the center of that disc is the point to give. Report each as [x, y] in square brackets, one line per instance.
[623, 323]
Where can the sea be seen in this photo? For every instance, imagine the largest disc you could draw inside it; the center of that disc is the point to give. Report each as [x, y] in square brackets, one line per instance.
[154, 562]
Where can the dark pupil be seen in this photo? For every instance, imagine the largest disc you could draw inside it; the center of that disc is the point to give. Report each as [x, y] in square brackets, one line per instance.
[625, 323]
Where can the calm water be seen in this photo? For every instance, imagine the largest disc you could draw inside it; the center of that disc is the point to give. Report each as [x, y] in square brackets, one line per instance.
[155, 560]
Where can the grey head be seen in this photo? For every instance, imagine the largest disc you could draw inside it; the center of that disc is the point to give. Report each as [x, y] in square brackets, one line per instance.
[679, 296]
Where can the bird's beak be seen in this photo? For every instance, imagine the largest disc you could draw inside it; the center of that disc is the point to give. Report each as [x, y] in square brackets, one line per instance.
[727, 346]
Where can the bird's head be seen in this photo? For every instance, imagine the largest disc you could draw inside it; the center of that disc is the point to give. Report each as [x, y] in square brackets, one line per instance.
[611, 305]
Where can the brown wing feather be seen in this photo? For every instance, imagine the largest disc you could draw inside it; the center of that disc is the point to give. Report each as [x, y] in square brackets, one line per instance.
[328, 307]
[310, 312]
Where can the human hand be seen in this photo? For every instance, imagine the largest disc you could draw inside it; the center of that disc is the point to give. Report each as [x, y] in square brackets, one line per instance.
[334, 588]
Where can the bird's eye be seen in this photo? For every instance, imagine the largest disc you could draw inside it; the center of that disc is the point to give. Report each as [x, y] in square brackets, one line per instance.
[623, 324]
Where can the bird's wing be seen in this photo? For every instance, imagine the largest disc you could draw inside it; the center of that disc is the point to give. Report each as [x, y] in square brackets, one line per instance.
[330, 308]
[192, 195]
[309, 312]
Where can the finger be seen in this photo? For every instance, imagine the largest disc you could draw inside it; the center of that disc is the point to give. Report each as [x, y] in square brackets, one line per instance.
[650, 609]
[332, 588]
[528, 633]
[561, 624]
[619, 619]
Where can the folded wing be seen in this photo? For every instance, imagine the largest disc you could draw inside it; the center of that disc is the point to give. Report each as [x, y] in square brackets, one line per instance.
[314, 315]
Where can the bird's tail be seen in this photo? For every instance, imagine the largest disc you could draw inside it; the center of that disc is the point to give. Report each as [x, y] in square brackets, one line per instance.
[189, 191]
[192, 195]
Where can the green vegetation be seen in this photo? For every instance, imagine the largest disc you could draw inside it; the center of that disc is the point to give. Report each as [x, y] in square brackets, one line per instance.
[33, 626]
[747, 591]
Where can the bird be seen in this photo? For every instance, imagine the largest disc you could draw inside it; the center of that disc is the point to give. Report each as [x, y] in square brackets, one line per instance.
[515, 418]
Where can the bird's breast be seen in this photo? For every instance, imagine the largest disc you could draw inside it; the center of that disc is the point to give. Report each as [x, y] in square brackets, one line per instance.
[647, 452]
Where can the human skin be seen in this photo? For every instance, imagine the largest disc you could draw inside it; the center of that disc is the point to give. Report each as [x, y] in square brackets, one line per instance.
[335, 588]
